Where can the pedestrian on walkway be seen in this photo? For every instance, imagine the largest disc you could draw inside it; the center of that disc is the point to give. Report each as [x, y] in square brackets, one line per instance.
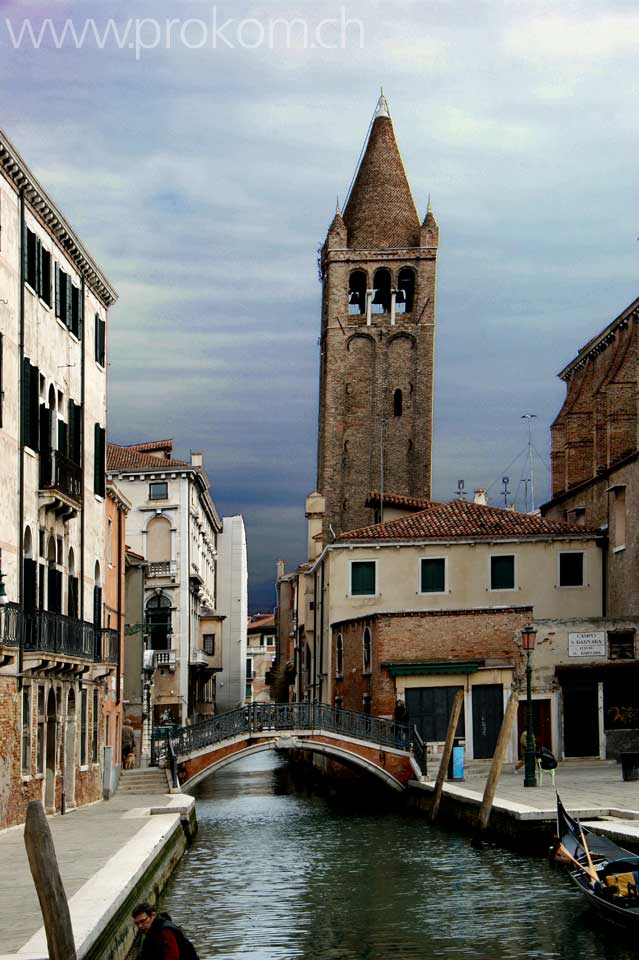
[163, 940]
[523, 740]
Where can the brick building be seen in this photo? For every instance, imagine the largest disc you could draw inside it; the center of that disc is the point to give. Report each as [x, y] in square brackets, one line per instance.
[595, 482]
[56, 656]
[378, 315]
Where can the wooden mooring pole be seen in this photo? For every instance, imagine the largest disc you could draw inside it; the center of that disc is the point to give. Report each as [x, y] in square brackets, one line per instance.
[497, 763]
[48, 884]
[458, 703]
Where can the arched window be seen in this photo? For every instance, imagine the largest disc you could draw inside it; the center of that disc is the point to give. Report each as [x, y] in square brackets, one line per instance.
[158, 620]
[366, 644]
[339, 656]
[397, 403]
[158, 540]
[405, 291]
[357, 293]
[382, 292]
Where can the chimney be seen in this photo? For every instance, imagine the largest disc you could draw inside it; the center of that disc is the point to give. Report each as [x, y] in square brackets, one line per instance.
[196, 458]
[280, 569]
[480, 497]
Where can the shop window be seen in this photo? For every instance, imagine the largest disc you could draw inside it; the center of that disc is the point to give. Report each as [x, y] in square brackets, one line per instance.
[363, 578]
[433, 575]
[621, 645]
[502, 572]
[571, 569]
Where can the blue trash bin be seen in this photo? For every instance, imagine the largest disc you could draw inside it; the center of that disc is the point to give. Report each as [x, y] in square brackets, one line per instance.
[456, 763]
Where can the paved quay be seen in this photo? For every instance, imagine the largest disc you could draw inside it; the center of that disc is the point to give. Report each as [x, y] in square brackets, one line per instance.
[99, 848]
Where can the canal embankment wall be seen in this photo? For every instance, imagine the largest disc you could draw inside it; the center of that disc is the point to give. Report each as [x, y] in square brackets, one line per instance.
[138, 870]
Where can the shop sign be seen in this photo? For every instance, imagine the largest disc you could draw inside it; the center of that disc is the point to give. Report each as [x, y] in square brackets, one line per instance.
[587, 644]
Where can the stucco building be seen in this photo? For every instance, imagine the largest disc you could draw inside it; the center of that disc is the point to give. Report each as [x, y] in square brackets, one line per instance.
[260, 654]
[377, 338]
[56, 654]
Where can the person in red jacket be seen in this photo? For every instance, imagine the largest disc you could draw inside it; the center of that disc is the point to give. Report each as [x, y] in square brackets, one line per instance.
[162, 939]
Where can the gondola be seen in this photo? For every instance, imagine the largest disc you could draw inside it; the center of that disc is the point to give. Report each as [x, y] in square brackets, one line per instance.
[606, 874]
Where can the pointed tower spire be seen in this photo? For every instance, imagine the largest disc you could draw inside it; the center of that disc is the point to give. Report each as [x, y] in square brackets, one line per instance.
[381, 212]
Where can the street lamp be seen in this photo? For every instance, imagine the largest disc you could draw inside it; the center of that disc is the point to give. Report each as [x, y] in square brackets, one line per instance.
[528, 638]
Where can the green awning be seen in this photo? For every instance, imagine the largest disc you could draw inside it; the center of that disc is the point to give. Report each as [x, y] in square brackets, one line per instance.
[426, 668]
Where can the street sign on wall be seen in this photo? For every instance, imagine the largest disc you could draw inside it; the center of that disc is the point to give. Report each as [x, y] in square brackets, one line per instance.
[587, 644]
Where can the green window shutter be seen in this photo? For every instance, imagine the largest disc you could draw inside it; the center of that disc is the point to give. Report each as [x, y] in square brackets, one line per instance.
[34, 386]
[433, 575]
[57, 290]
[77, 433]
[363, 578]
[502, 573]
[97, 338]
[26, 402]
[75, 310]
[39, 284]
[69, 302]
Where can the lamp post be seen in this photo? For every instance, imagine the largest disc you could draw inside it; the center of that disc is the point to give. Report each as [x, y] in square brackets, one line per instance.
[528, 638]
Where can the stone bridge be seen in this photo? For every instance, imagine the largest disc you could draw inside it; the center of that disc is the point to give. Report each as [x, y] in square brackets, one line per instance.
[378, 747]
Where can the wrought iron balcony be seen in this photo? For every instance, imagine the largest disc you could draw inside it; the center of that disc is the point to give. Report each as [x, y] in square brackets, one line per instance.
[43, 632]
[107, 645]
[60, 475]
[10, 625]
[163, 568]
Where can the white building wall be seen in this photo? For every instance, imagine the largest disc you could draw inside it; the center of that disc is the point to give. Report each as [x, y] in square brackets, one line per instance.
[233, 605]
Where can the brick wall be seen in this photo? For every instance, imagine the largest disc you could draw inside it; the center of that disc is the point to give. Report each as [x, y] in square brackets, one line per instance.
[466, 635]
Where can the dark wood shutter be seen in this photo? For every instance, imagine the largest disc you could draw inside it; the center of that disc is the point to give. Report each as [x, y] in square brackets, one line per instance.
[26, 401]
[63, 438]
[97, 607]
[97, 338]
[57, 290]
[45, 277]
[77, 434]
[73, 597]
[31, 257]
[46, 465]
[99, 450]
[75, 310]
[34, 386]
[29, 585]
[69, 304]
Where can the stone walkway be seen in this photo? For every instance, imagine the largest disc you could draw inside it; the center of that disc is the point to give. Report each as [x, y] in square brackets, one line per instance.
[84, 840]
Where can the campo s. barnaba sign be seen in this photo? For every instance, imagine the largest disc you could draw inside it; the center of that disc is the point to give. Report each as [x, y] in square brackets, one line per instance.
[587, 644]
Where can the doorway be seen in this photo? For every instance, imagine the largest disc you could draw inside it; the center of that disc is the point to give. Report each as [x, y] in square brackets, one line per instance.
[488, 713]
[581, 719]
[429, 709]
[69, 752]
[51, 743]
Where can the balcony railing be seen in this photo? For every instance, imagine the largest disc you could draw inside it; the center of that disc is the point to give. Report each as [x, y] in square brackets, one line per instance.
[164, 568]
[165, 658]
[41, 631]
[59, 473]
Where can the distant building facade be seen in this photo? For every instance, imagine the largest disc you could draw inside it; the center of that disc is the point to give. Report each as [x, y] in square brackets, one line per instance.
[233, 606]
[174, 525]
[56, 656]
[260, 656]
[595, 482]
[377, 339]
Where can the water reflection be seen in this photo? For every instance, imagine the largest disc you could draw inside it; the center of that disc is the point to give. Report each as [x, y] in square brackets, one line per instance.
[279, 873]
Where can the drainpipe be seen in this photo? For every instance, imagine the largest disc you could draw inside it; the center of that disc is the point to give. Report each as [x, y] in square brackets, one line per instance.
[314, 684]
[83, 443]
[321, 637]
[21, 446]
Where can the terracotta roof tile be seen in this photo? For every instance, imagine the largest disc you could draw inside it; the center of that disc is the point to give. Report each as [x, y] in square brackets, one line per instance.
[381, 212]
[129, 460]
[414, 504]
[460, 519]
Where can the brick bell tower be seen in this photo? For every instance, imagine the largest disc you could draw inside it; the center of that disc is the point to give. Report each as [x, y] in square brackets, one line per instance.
[378, 325]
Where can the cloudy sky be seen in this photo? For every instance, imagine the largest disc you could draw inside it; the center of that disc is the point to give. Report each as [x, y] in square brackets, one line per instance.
[198, 150]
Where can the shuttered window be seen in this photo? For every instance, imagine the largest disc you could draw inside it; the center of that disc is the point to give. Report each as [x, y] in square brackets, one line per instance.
[502, 573]
[75, 432]
[30, 404]
[76, 312]
[363, 578]
[99, 460]
[37, 266]
[100, 340]
[433, 578]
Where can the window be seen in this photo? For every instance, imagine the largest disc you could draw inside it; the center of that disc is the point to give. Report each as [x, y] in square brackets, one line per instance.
[620, 517]
[76, 313]
[158, 491]
[433, 575]
[382, 292]
[366, 651]
[30, 405]
[94, 725]
[26, 731]
[110, 542]
[64, 298]
[502, 573]
[363, 578]
[31, 260]
[405, 290]
[339, 656]
[357, 293]
[75, 432]
[99, 460]
[397, 403]
[84, 724]
[158, 619]
[44, 285]
[571, 569]
[249, 668]
[208, 642]
[100, 340]
[621, 645]
[40, 731]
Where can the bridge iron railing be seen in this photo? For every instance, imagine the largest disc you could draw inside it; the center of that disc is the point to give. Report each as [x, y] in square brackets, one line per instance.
[259, 717]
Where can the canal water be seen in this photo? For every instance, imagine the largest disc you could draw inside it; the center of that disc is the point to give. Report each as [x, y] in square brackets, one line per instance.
[280, 873]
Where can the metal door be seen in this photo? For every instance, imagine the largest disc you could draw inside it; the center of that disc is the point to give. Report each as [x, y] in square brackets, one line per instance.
[429, 709]
[488, 713]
